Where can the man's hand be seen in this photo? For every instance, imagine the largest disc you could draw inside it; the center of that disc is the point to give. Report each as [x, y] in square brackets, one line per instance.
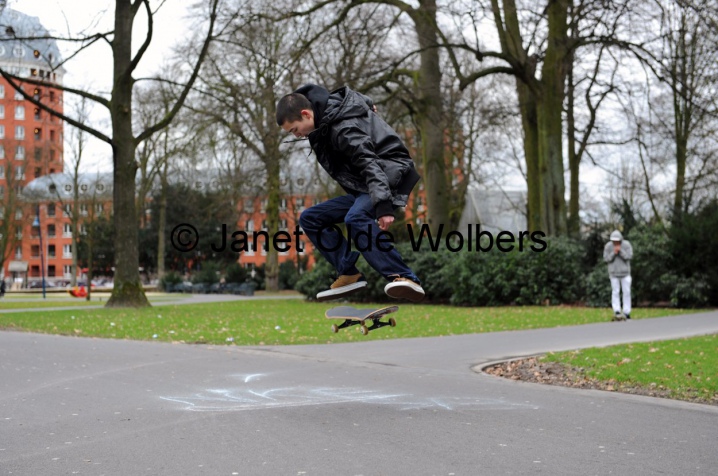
[385, 222]
[616, 248]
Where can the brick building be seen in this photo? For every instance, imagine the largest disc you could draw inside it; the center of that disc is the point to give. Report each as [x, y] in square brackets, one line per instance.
[31, 140]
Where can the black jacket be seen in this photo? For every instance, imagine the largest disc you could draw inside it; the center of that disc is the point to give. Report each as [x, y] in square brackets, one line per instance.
[358, 149]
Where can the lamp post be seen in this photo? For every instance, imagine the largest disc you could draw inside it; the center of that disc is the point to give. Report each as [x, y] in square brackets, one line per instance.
[36, 223]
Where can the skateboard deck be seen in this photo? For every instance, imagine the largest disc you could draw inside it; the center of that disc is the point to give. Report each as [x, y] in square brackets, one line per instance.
[619, 317]
[353, 316]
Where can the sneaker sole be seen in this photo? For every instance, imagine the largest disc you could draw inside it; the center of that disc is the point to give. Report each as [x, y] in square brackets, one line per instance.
[402, 291]
[341, 292]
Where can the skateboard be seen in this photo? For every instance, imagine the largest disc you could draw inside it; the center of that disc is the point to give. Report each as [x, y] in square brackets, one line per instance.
[618, 317]
[353, 316]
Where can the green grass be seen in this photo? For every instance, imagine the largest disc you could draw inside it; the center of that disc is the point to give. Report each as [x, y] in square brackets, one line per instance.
[278, 322]
[685, 369]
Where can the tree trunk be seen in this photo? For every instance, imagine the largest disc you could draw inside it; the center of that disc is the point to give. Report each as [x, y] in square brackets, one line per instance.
[529, 121]
[89, 265]
[162, 225]
[272, 164]
[271, 272]
[430, 117]
[553, 78]
[127, 291]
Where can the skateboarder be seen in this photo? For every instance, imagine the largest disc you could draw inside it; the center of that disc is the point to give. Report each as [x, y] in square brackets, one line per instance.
[618, 254]
[369, 160]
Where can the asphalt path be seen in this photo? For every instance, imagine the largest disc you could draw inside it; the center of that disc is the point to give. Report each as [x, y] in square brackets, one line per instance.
[72, 405]
[177, 299]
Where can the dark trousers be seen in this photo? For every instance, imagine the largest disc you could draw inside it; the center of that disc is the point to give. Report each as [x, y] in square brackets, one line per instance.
[359, 215]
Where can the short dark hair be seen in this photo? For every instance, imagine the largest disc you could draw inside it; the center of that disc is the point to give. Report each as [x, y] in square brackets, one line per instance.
[289, 108]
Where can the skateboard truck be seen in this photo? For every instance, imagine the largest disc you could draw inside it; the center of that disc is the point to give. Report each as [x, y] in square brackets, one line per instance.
[353, 317]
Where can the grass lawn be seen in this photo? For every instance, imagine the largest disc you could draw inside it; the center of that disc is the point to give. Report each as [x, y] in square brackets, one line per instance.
[277, 322]
[685, 369]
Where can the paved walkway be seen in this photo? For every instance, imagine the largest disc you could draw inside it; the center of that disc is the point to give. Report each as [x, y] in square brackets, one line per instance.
[92, 406]
[163, 301]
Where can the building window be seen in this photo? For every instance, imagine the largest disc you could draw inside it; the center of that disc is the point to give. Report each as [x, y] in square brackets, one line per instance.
[52, 96]
[38, 114]
[20, 172]
[19, 112]
[2, 111]
[18, 214]
[18, 233]
[51, 231]
[99, 208]
[83, 209]
[283, 204]
[36, 94]
[19, 132]
[2, 91]
[50, 251]
[2, 172]
[2, 152]
[35, 251]
[38, 133]
[38, 172]
[52, 155]
[38, 154]
[67, 231]
[18, 252]
[51, 209]
[18, 95]
[249, 226]
[20, 152]
[51, 271]
[67, 251]
[68, 270]
[2, 132]
[52, 136]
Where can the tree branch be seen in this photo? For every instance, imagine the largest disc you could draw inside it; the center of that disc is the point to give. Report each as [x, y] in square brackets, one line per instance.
[148, 38]
[178, 104]
[11, 80]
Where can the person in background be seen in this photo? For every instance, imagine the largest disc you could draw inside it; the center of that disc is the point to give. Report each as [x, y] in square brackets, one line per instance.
[618, 254]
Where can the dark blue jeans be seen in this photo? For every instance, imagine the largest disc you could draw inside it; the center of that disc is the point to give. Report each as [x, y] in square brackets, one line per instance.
[359, 215]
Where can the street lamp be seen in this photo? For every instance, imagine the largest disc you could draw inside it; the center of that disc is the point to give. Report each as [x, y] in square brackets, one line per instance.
[36, 223]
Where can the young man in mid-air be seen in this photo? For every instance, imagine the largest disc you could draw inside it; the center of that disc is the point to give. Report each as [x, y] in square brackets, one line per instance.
[370, 162]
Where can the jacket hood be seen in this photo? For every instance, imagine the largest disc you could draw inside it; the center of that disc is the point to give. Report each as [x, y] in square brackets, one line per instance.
[344, 103]
[616, 236]
[318, 96]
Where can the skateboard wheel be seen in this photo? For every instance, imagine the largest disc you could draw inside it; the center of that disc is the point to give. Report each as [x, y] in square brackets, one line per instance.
[392, 322]
[335, 328]
[364, 330]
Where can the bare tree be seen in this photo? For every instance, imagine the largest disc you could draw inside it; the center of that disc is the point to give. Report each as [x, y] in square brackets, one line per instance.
[128, 291]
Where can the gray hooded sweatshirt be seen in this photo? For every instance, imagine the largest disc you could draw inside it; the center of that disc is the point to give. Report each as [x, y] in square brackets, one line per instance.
[619, 265]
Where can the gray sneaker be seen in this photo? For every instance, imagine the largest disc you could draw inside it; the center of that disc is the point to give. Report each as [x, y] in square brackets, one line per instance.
[403, 288]
[343, 286]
